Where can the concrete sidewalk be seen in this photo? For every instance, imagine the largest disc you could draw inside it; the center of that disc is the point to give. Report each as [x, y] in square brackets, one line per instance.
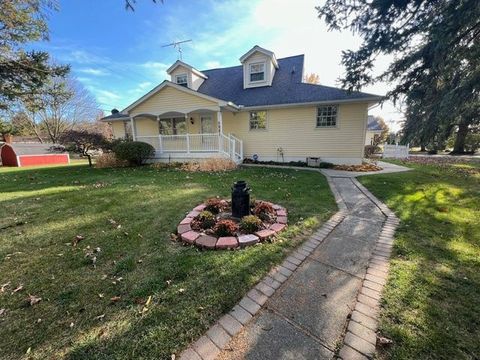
[307, 316]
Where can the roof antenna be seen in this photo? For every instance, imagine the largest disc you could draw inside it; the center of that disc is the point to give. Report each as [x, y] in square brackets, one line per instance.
[176, 45]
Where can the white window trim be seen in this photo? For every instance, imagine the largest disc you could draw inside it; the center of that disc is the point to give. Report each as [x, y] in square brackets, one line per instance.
[181, 75]
[336, 117]
[266, 120]
[264, 72]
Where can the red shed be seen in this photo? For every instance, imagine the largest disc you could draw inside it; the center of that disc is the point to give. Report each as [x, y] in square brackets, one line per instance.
[32, 154]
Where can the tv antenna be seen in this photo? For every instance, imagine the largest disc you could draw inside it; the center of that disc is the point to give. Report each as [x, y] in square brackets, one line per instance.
[177, 46]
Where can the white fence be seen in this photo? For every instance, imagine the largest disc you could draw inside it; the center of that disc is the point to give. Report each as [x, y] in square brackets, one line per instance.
[395, 151]
[196, 144]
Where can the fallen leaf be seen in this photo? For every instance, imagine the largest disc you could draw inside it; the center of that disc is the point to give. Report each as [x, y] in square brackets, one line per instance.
[384, 341]
[29, 350]
[181, 291]
[169, 282]
[100, 317]
[18, 288]
[149, 300]
[100, 296]
[39, 321]
[72, 325]
[2, 312]
[32, 299]
[115, 299]
[77, 239]
[4, 286]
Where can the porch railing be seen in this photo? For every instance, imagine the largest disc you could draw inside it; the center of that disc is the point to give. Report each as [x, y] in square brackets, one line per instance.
[227, 145]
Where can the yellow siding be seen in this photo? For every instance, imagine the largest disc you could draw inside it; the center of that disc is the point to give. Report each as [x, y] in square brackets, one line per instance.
[146, 127]
[118, 129]
[170, 99]
[293, 129]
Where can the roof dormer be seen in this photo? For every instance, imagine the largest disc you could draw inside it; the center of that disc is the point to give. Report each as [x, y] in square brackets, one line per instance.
[186, 75]
[259, 67]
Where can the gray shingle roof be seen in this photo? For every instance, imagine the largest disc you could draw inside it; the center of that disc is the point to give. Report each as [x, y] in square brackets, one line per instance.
[116, 116]
[287, 87]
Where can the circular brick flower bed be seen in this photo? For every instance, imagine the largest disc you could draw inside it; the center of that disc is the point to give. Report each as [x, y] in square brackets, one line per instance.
[211, 226]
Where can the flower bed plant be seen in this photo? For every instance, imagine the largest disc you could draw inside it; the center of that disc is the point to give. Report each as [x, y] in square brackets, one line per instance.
[211, 225]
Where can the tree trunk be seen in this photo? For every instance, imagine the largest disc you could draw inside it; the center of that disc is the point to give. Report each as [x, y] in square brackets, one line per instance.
[89, 160]
[459, 146]
[422, 148]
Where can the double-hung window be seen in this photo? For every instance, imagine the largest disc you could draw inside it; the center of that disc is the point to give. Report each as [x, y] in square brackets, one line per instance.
[258, 120]
[181, 79]
[327, 116]
[257, 72]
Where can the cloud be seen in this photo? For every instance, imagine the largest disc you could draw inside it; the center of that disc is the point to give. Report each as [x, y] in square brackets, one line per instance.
[155, 65]
[212, 64]
[92, 71]
[144, 85]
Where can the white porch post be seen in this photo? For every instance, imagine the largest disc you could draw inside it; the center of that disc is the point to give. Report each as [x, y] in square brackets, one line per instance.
[220, 131]
[220, 122]
[134, 132]
[160, 145]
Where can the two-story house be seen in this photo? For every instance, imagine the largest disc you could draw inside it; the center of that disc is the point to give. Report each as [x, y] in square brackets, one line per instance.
[261, 108]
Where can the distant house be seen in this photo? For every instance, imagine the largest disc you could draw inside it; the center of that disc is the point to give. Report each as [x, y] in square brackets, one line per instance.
[373, 130]
[261, 108]
[31, 154]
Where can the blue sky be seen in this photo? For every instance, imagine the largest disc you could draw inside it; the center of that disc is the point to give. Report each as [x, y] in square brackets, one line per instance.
[118, 54]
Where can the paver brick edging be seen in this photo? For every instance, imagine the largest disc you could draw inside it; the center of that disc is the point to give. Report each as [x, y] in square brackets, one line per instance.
[359, 341]
[216, 338]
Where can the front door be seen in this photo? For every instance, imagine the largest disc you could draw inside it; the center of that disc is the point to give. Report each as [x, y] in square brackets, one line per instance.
[208, 141]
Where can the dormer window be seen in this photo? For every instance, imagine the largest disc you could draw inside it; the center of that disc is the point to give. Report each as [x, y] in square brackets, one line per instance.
[257, 72]
[181, 79]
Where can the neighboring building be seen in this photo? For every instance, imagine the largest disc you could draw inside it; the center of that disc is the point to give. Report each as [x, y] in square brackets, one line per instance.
[260, 107]
[32, 154]
[373, 130]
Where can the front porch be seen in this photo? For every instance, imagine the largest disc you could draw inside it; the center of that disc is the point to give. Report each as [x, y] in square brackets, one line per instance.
[191, 135]
[195, 146]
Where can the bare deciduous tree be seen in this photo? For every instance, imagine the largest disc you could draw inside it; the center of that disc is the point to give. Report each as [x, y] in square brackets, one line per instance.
[60, 106]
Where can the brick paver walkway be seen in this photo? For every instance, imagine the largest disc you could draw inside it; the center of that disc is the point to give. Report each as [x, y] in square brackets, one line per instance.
[302, 309]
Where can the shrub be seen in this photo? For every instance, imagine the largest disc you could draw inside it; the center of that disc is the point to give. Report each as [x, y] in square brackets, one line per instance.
[214, 205]
[109, 160]
[205, 219]
[370, 150]
[135, 152]
[225, 227]
[264, 210]
[326, 165]
[250, 223]
[213, 164]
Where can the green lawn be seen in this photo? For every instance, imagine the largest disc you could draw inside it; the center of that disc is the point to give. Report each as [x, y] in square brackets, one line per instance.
[129, 214]
[432, 298]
